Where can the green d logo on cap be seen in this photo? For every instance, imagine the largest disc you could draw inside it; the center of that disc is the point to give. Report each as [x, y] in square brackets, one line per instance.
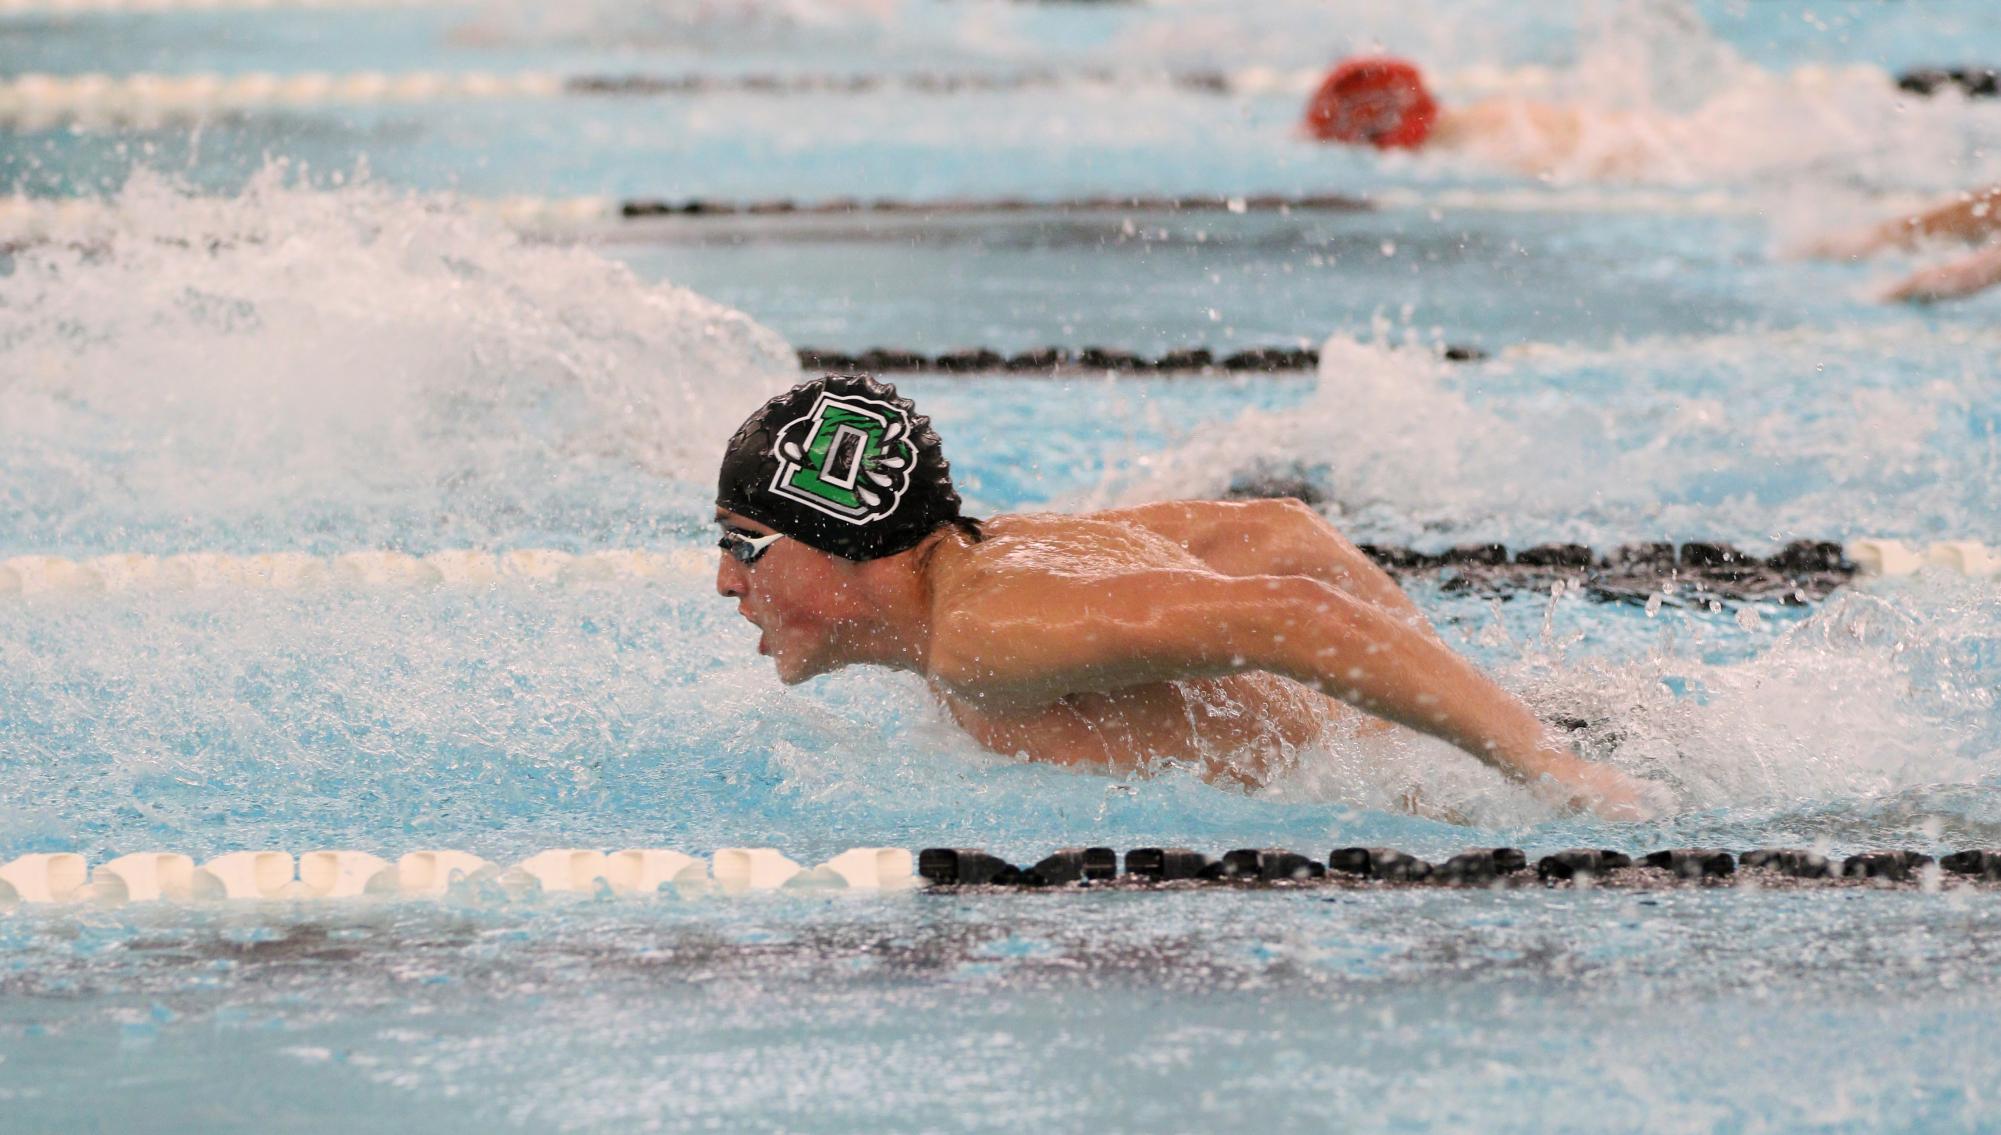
[850, 458]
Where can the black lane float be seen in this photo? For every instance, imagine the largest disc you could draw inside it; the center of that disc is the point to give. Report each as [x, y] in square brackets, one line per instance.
[1147, 867]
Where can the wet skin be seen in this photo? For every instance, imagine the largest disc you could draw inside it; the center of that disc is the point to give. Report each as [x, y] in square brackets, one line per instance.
[1223, 633]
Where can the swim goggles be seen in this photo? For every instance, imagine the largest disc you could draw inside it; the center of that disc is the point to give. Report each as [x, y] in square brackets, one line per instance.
[745, 547]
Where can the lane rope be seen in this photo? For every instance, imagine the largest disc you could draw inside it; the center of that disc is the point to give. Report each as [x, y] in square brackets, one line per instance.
[40, 100]
[1972, 82]
[1065, 360]
[152, 7]
[1633, 571]
[49, 878]
[28, 220]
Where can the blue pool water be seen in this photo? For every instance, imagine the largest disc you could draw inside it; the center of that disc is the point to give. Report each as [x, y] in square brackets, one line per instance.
[300, 336]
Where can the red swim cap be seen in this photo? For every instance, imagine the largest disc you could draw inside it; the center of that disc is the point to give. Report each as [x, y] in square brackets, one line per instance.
[1374, 99]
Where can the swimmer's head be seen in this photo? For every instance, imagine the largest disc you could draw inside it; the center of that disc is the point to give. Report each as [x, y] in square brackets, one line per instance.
[819, 490]
[843, 464]
[1372, 100]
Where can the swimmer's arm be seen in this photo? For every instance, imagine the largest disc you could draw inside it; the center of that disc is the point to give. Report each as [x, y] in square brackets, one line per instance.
[1274, 537]
[1033, 642]
[1973, 217]
[1951, 280]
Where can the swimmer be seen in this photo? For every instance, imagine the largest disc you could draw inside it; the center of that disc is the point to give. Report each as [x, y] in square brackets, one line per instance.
[1973, 219]
[1227, 634]
[1383, 102]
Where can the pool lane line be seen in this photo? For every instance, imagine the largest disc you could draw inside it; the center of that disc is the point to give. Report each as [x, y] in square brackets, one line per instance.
[1066, 361]
[644, 208]
[62, 878]
[29, 220]
[1972, 82]
[145, 876]
[1694, 573]
[26, 221]
[1483, 867]
[164, 7]
[40, 100]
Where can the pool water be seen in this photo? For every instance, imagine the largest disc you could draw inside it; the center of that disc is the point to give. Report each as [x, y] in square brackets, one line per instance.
[299, 333]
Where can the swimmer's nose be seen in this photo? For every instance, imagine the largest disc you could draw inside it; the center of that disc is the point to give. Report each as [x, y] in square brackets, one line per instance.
[729, 577]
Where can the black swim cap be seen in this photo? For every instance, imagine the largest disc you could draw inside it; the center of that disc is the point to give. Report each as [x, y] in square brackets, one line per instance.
[841, 463]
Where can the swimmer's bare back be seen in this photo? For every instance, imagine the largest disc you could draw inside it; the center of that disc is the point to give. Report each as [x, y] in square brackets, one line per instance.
[1212, 632]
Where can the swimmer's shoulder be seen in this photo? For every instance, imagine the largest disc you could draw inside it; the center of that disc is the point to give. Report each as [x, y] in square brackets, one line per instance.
[1055, 544]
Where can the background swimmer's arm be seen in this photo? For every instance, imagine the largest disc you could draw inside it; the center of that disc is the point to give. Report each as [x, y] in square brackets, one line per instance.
[1034, 639]
[1974, 217]
[1951, 280]
[1274, 537]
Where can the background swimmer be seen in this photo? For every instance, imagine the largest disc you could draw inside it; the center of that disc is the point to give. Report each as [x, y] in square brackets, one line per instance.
[1384, 102]
[1974, 218]
[1218, 633]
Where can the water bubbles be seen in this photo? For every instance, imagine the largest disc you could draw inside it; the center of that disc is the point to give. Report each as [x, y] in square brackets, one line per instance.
[218, 368]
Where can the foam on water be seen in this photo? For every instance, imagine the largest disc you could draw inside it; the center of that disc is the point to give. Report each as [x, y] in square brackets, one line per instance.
[1809, 434]
[1868, 719]
[1878, 706]
[350, 367]
[611, 714]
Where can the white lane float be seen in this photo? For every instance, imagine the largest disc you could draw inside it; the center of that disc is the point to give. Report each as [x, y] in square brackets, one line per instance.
[339, 874]
[864, 869]
[150, 876]
[737, 869]
[1895, 558]
[643, 871]
[464, 567]
[46, 877]
[247, 875]
[291, 571]
[430, 873]
[1968, 557]
[38, 100]
[469, 567]
[1889, 558]
[36, 575]
[107, 7]
[559, 870]
[166, 876]
[544, 565]
[383, 569]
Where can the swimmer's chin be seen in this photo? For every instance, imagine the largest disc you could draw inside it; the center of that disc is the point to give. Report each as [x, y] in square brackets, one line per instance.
[793, 673]
[793, 679]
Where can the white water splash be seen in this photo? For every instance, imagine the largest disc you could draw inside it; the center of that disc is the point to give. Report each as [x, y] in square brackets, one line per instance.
[354, 354]
[1759, 439]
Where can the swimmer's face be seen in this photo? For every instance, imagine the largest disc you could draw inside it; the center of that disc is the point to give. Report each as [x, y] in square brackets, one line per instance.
[798, 597]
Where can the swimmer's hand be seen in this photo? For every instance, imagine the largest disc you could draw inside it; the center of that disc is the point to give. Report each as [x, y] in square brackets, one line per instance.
[1951, 280]
[1578, 785]
[1838, 246]
[1855, 244]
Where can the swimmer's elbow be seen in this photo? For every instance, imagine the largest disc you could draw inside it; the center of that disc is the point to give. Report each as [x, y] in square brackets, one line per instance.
[1312, 623]
[990, 680]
